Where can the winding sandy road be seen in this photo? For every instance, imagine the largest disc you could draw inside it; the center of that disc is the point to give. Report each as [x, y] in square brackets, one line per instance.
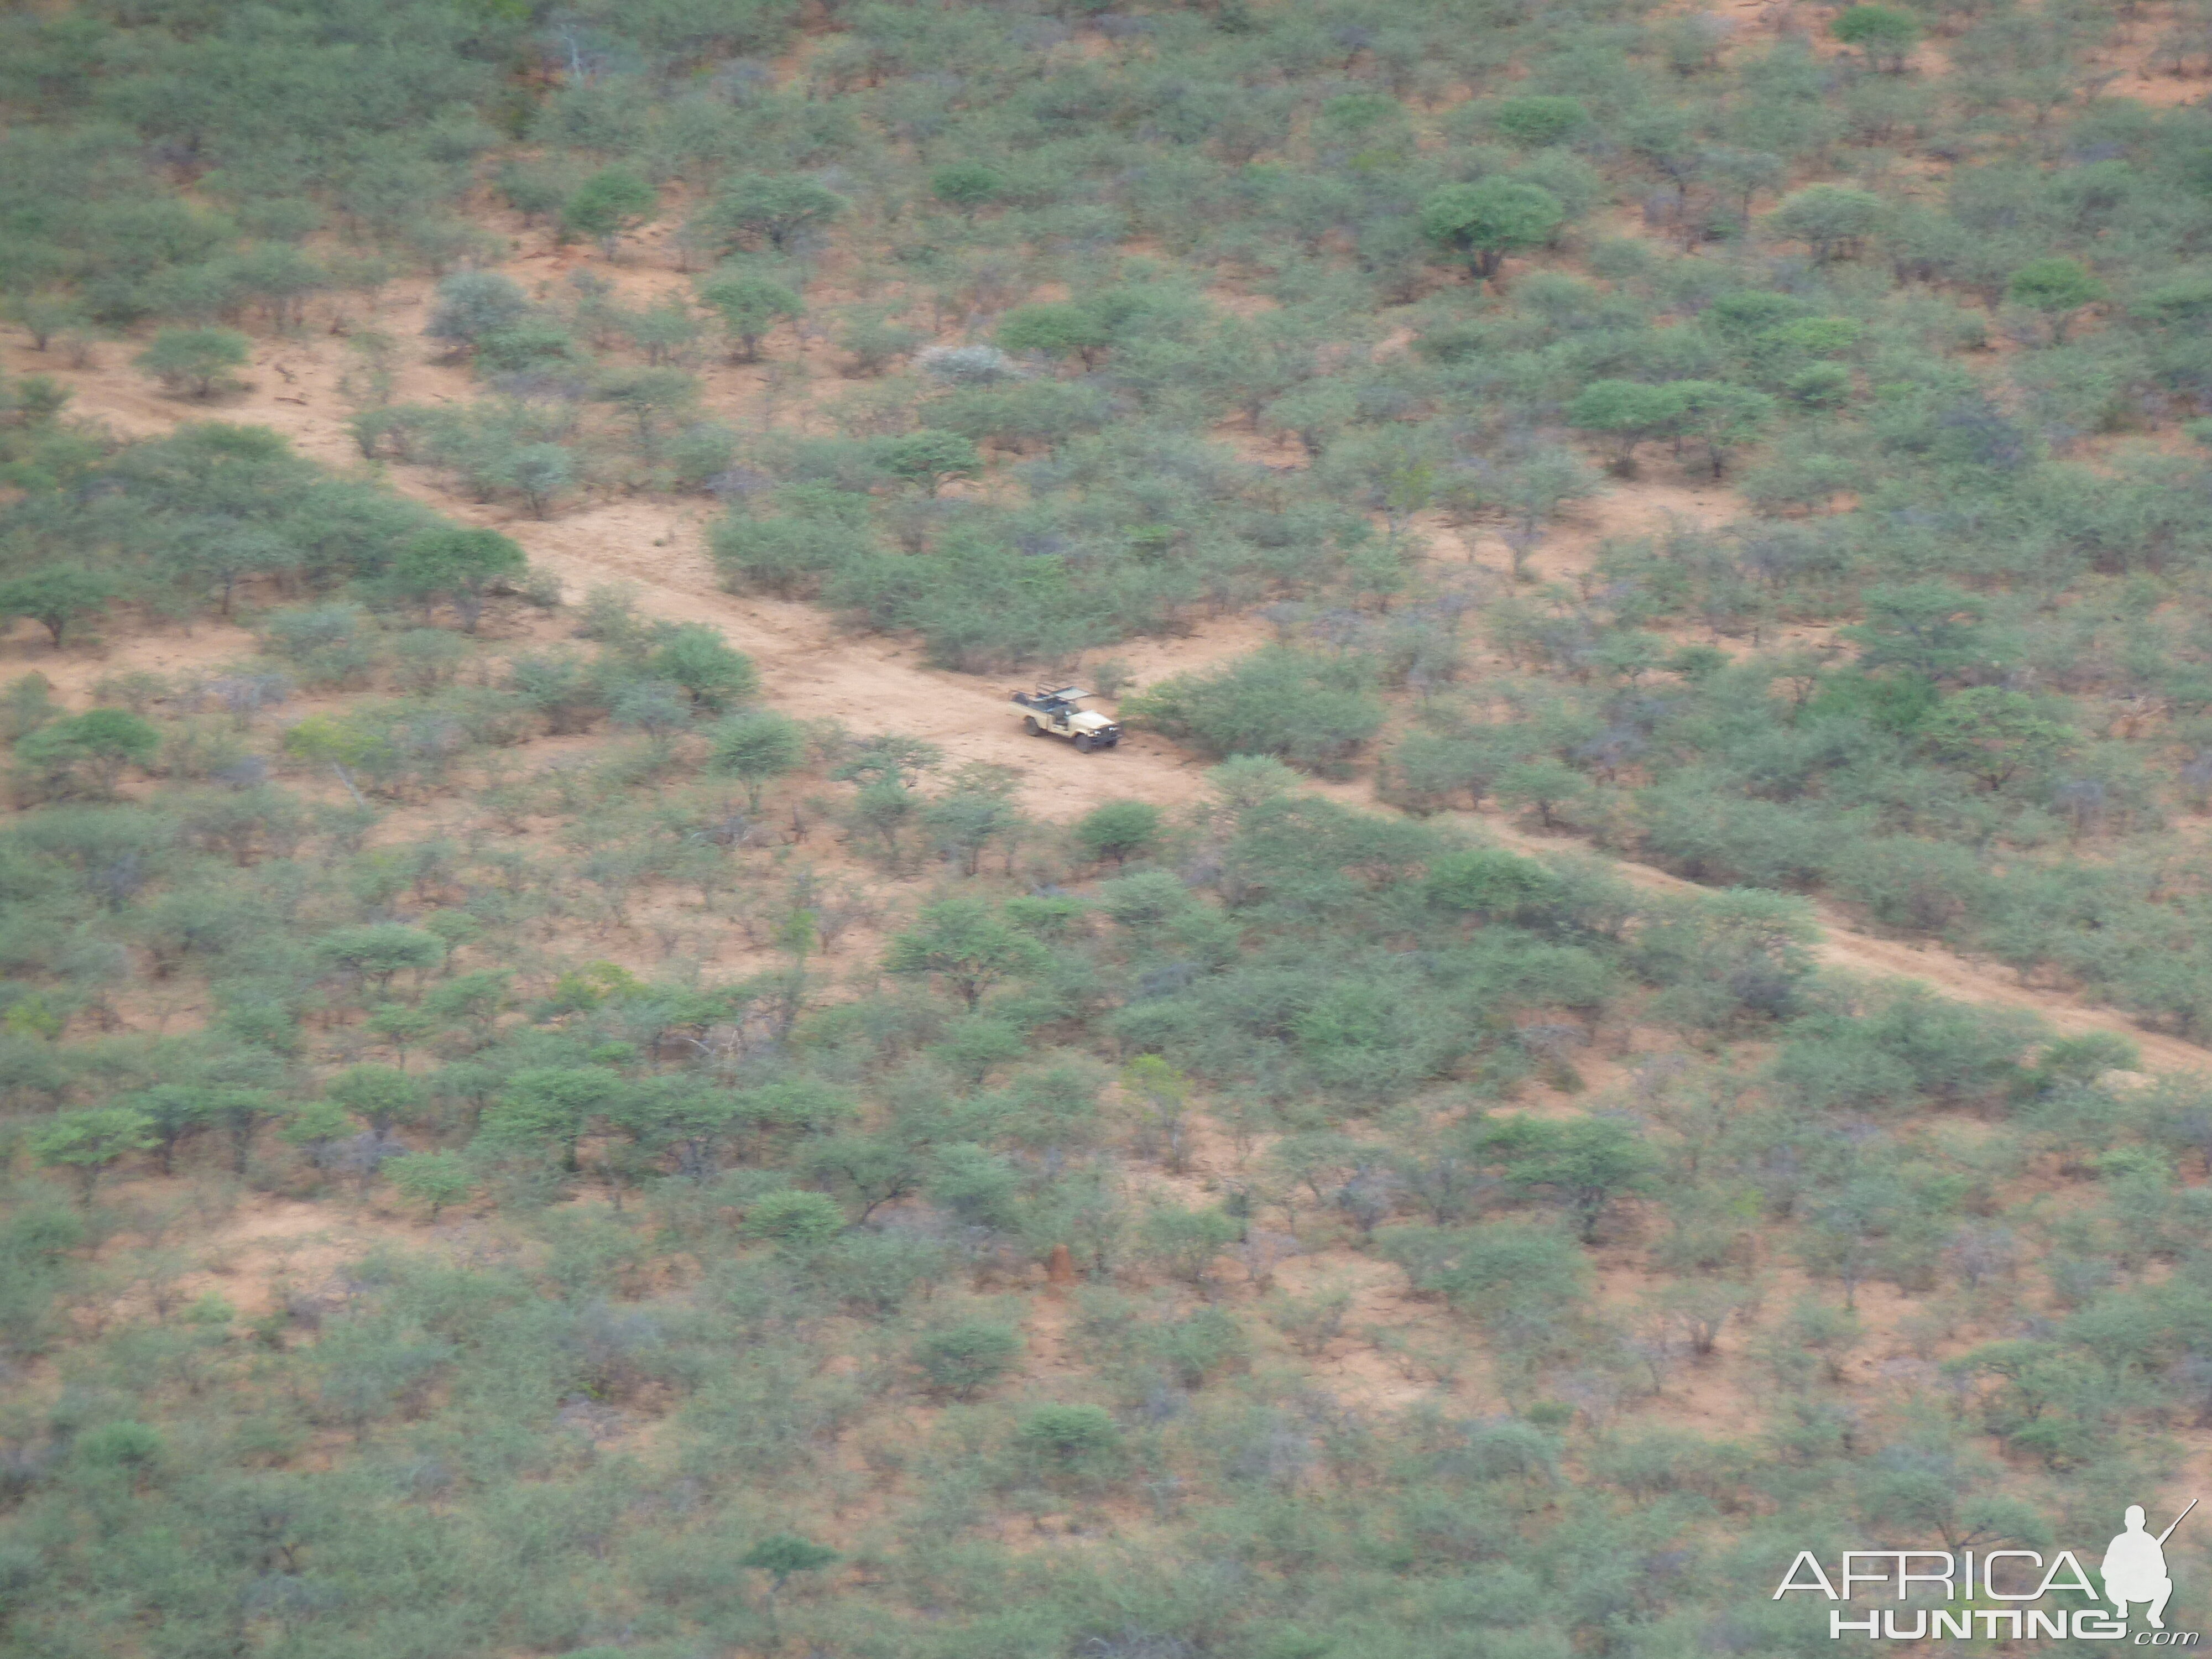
[814, 669]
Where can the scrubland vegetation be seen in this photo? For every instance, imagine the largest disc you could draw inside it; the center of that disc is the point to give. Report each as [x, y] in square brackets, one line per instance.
[522, 1139]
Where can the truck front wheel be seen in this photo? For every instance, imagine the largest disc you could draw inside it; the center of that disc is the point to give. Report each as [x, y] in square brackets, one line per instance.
[1083, 743]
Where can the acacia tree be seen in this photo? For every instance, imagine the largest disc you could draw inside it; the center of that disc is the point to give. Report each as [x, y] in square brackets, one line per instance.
[1743, 173]
[434, 1179]
[608, 204]
[1588, 1161]
[1534, 491]
[929, 458]
[539, 473]
[1629, 412]
[341, 744]
[775, 210]
[1119, 830]
[965, 821]
[967, 944]
[384, 1094]
[1930, 628]
[966, 186]
[472, 304]
[875, 1169]
[1719, 416]
[756, 745]
[653, 399]
[86, 1143]
[780, 1556]
[195, 362]
[1995, 734]
[172, 1111]
[1483, 221]
[679, 1113]
[749, 305]
[240, 1113]
[1056, 330]
[1535, 123]
[279, 277]
[1886, 35]
[56, 597]
[96, 745]
[2057, 288]
[1187, 1242]
[1306, 707]
[551, 1105]
[1831, 220]
[379, 951]
[459, 566]
[44, 315]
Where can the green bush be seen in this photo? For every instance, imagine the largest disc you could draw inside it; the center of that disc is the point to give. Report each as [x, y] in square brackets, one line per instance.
[121, 1445]
[609, 203]
[1885, 33]
[197, 362]
[750, 304]
[1070, 1438]
[1820, 385]
[756, 746]
[967, 185]
[1535, 122]
[1120, 831]
[2056, 287]
[1524, 1283]
[1311, 710]
[1832, 221]
[963, 944]
[461, 567]
[777, 210]
[88, 1142]
[782, 1555]
[90, 749]
[436, 1180]
[1588, 1162]
[796, 1220]
[1491, 884]
[1185, 1243]
[473, 304]
[696, 657]
[965, 1359]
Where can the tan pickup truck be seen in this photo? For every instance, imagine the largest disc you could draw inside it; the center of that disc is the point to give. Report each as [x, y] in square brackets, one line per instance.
[1059, 712]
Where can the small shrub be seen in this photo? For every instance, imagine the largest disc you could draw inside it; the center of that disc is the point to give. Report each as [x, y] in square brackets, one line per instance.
[124, 1445]
[966, 1360]
[433, 1180]
[796, 1220]
[1068, 1437]
[1533, 123]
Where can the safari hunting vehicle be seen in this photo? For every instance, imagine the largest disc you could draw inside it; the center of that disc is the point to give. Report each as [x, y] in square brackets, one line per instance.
[1059, 713]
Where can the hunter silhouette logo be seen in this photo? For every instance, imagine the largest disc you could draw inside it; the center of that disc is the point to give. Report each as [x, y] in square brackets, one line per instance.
[2134, 1567]
[2134, 1572]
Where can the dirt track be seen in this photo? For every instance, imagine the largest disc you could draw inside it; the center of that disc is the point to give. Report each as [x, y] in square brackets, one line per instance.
[1853, 953]
[814, 669]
